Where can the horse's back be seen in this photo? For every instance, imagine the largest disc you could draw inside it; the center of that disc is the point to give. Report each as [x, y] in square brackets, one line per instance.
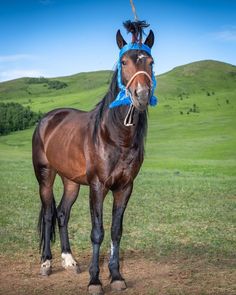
[54, 119]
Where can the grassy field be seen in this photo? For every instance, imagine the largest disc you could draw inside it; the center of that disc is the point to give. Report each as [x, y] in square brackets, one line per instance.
[184, 199]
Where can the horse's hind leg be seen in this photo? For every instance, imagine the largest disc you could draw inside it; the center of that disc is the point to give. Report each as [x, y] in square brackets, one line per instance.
[45, 175]
[47, 218]
[71, 190]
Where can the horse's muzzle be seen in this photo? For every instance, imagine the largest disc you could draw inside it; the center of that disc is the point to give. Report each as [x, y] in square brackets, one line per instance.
[141, 96]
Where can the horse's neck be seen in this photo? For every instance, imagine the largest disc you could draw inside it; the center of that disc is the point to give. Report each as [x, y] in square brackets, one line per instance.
[112, 125]
[117, 132]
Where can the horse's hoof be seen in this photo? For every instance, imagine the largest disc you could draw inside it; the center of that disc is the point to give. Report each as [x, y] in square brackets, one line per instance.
[118, 286]
[74, 268]
[95, 290]
[46, 269]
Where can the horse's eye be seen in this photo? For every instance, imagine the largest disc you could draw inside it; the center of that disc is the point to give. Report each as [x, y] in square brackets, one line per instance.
[151, 63]
[124, 63]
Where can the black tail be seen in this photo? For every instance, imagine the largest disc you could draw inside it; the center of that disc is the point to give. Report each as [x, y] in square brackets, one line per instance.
[41, 224]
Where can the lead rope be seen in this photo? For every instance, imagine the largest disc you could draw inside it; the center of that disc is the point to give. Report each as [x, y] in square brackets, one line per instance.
[128, 121]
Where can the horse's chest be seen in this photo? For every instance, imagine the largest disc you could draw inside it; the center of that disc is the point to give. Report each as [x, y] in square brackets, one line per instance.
[126, 163]
[123, 168]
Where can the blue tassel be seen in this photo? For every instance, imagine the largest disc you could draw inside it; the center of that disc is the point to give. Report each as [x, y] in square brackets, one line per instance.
[153, 101]
[121, 99]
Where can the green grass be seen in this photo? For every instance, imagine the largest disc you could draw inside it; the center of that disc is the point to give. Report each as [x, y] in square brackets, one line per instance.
[184, 199]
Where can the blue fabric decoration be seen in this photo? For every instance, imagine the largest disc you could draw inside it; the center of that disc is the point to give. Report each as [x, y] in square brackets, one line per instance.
[123, 97]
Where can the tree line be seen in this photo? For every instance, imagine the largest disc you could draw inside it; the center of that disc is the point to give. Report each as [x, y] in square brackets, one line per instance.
[14, 117]
[52, 84]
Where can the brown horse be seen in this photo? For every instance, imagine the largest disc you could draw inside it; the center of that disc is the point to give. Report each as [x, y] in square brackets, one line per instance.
[96, 149]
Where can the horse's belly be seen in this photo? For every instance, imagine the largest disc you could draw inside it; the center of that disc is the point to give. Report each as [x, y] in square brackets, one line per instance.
[70, 164]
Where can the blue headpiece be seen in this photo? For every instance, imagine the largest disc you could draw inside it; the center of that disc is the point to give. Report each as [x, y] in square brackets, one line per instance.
[123, 97]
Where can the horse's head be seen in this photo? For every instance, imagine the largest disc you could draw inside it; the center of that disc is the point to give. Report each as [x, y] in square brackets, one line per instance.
[136, 70]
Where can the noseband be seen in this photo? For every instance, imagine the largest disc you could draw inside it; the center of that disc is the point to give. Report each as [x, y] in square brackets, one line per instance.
[134, 76]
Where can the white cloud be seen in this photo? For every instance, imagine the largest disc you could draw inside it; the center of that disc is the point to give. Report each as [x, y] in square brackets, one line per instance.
[16, 57]
[14, 74]
[226, 35]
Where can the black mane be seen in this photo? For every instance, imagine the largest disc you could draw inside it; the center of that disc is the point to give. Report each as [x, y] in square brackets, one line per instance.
[113, 118]
[103, 105]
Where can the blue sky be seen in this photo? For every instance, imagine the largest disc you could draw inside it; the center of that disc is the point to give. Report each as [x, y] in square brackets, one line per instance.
[62, 37]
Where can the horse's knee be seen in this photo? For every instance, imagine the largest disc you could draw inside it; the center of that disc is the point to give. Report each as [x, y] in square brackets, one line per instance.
[97, 235]
[61, 218]
[48, 219]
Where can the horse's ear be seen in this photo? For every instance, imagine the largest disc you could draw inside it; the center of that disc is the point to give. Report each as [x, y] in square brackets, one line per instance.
[120, 40]
[150, 39]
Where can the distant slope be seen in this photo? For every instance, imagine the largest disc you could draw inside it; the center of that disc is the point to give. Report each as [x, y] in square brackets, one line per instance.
[23, 87]
[198, 77]
[82, 90]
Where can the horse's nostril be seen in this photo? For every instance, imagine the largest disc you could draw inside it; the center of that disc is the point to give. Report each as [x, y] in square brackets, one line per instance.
[142, 93]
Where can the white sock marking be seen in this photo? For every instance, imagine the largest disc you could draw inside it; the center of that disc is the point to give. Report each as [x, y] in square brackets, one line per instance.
[112, 250]
[46, 264]
[68, 260]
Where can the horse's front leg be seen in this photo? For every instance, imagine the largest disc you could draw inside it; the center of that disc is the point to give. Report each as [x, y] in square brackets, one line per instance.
[96, 198]
[121, 198]
[70, 194]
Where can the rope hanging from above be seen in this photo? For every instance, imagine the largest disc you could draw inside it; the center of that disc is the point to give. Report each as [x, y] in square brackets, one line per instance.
[134, 10]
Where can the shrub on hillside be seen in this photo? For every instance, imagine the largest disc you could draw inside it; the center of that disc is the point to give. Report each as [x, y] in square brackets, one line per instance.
[55, 84]
[39, 80]
[194, 109]
[14, 116]
[52, 84]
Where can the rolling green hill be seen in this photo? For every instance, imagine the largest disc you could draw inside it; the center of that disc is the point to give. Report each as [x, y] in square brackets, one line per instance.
[198, 77]
[82, 90]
